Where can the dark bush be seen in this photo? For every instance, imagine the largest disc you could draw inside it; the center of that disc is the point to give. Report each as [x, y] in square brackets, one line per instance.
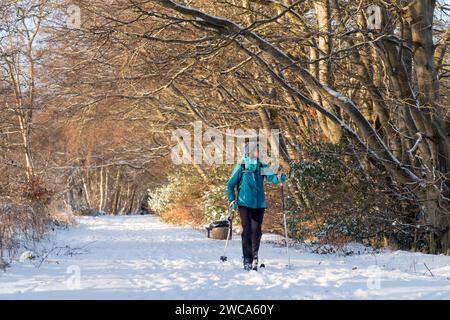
[342, 202]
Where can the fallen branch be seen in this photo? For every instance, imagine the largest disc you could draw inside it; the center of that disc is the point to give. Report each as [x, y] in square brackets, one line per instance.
[428, 269]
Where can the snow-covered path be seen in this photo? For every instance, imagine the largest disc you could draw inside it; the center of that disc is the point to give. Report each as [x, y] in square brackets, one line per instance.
[138, 257]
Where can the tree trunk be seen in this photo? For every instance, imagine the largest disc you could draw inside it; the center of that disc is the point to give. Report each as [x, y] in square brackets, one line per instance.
[100, 191]
[25, 132]
[116, 195]
[323, 15]
[321, 119]
[132, 197]
[86, 191]
[420, 16]
[105, 197]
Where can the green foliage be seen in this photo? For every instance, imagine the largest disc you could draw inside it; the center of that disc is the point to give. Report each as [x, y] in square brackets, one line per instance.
[218, 174]
[339, 198]
[321, 170]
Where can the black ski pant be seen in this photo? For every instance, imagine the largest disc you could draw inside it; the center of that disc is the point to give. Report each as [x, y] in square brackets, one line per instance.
[251, 221]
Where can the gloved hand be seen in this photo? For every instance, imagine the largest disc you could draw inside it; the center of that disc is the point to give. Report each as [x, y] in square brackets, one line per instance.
[233, 204]
[282, 178]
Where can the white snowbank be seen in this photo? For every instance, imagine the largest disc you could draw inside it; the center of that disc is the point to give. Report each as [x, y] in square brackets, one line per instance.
[138, 257]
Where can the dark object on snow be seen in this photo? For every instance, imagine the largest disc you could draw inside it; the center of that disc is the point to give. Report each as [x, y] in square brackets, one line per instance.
[218, 229]
[91, 212]
[4, 265]
[144, 208]
[219, 224]
[144, 212]
[57, 224]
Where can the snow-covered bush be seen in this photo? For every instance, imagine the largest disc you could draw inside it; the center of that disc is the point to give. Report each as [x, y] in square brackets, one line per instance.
[27, 255]
[178, 201]
[24, 216]
[161, 198]
[213, 202]
[187, 199]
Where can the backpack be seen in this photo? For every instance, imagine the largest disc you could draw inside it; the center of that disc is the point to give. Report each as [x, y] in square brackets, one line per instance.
[242, 174]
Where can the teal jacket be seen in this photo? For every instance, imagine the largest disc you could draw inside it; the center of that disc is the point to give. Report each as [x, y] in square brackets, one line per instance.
[251, 192]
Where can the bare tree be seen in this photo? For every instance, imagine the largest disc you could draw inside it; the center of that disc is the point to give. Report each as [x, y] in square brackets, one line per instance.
[421, 163]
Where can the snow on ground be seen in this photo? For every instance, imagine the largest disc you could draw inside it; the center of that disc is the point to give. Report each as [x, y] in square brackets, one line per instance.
[138, 257]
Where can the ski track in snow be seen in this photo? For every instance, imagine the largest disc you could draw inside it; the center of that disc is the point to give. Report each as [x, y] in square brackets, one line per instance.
[138, 257]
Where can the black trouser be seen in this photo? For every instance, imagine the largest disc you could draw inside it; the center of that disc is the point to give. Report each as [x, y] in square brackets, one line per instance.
[251, 221]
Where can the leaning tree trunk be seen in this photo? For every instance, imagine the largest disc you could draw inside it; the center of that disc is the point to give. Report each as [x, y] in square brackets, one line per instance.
[321, 119]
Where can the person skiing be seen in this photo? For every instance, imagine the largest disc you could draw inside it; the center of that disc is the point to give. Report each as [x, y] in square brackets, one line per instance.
[248, 178]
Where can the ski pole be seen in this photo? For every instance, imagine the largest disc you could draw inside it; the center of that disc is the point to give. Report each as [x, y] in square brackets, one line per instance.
[285, 225]
[224, 258]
